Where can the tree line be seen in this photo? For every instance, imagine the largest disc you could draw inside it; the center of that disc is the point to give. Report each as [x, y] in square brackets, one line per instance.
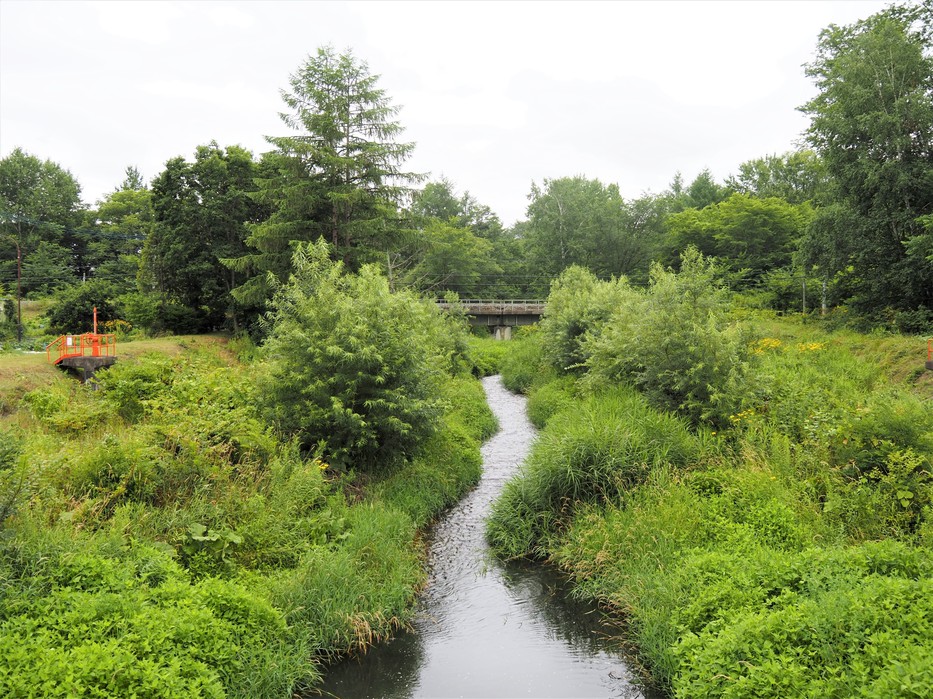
[207, 242]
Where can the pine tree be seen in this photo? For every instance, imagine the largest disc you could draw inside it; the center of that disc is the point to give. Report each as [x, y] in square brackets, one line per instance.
[339, 177]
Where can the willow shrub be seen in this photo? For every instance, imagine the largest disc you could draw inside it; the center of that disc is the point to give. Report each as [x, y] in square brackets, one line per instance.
[354, 369]
[578, 307]
[677, 344]
[591, 452]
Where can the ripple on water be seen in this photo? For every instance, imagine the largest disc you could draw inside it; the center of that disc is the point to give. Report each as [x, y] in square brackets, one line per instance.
[485, 628]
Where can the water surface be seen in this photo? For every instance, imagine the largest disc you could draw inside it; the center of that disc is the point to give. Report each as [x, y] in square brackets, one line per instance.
[484, 628]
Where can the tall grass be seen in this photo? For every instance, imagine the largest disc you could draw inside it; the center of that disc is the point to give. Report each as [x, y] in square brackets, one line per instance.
[592, 452]
[785, 551]
[167, 543]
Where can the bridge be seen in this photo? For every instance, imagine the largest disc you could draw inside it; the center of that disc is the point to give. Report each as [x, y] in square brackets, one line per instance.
[500, 314]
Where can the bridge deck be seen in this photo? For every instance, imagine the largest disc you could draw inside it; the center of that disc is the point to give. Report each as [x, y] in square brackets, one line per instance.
[498, 306]
[498, 313]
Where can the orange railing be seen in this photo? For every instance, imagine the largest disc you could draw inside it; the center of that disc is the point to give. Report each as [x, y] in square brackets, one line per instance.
[86, 345]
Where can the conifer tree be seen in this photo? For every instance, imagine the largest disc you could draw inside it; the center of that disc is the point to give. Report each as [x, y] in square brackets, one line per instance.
[338, 177]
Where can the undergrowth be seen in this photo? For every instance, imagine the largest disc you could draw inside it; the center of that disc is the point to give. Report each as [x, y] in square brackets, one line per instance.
[160, 539]
[782, 549]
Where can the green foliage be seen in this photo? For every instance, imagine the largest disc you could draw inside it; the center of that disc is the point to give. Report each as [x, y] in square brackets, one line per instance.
[201, 210]
[787, 555]
[578, 308]
[12, 476]
[575, 221]
[846, 624]
[749, 235]
[170, 545]
[97, 618]
[354, 369]
[524, 364]
[130, 385]
[345, 599]
[677, 344]
[796, 177]
[592, 452]
[486, 354]
[872, 122]
[72, 311]
[548, 399]
[39, 202]
[450, 258]
[338, 178]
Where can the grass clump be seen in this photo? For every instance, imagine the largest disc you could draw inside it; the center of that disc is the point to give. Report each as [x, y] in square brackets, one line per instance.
[592, 452]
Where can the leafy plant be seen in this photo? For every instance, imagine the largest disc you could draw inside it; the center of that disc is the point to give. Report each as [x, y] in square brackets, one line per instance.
[354, 369]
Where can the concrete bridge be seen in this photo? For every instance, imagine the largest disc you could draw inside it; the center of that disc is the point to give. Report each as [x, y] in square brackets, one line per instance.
[499, 314]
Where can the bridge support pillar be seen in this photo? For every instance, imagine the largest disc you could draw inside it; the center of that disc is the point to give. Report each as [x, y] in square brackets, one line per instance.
[503, 332]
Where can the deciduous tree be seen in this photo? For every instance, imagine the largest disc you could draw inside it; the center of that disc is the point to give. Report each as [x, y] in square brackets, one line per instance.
[872, 123]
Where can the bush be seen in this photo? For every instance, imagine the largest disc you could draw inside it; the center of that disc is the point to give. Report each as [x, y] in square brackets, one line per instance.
[578, 307]
[675, 343]
[354, 369]
[72, 311]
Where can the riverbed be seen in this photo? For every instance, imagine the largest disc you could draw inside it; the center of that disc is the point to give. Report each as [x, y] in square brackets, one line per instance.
[486, 628]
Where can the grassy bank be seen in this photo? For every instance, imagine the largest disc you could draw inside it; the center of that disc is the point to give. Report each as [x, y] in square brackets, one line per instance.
[787, 552]
[159, 538]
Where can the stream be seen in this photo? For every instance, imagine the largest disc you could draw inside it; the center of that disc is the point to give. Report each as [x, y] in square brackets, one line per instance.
[485, 628]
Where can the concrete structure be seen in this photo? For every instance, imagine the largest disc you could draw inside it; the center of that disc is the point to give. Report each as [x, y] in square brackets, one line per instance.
[500, 315]
[84, 367]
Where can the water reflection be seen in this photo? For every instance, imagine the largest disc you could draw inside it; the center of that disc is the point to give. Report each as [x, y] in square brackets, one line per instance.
[486, 628]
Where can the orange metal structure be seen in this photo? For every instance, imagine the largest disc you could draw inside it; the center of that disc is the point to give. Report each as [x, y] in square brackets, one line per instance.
[86, 345]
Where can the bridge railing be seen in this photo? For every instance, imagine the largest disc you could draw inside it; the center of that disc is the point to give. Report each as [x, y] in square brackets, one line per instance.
[88, 344]
[498, 305]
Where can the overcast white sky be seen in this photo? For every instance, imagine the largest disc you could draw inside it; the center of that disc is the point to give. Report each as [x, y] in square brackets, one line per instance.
[495, 95]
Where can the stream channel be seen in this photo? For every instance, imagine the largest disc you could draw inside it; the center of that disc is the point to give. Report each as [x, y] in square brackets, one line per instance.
[483, 627]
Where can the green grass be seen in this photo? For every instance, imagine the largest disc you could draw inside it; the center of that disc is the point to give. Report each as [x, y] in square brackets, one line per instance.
[788, 554]
[161, 539]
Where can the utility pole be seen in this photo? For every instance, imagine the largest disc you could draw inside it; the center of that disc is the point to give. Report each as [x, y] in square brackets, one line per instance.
[19, 292]
[19, 288]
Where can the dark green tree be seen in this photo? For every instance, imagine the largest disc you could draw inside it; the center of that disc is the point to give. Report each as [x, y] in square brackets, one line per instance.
[796, 177]
[201, 210]
[872, 123]
[40, 202]
[122, 223]
[576, 221]
[338, 177]
[748, 234]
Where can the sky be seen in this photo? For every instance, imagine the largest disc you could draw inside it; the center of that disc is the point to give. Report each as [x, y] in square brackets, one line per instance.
[495, 95]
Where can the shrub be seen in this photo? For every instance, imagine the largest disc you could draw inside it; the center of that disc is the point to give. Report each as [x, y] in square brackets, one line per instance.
[73, 308]
[578, 307]
[353, 369]
[675, 343]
